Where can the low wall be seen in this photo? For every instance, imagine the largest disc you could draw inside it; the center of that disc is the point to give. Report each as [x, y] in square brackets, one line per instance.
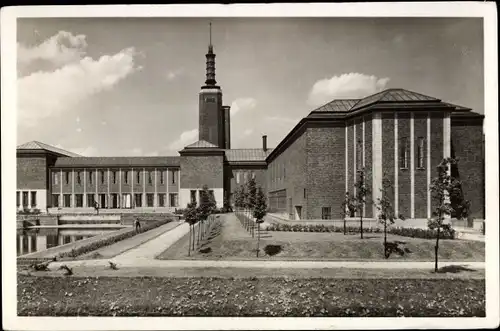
[129, 218]
[94, 217]
[25, 221]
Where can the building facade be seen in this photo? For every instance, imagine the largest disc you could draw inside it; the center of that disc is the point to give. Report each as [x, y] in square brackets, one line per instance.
[396, 134]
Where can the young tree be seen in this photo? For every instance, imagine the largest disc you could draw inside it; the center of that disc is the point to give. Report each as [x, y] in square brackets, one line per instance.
[362, 191]
[191, 217]
[386, 214]
[348, 207]
[206, 208]
[448, 199]
[251, 200]
[259, 211]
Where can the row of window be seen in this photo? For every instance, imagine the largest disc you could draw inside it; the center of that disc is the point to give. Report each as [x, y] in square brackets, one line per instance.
[404, 152]
[113, 176]
[244, 176]
[26, 199]
[115, 200]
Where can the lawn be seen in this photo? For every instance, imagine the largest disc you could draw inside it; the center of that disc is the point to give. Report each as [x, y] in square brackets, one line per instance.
[151, 296]
[230, 241]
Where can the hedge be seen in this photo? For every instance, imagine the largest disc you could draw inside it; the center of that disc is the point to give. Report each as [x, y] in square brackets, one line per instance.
[110, 240]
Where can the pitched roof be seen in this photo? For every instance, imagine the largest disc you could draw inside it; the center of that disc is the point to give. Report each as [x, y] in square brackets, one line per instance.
[119, 161]
[247, 155]
[393, 95]
[340, 105]
[202, 144]
[36, 145]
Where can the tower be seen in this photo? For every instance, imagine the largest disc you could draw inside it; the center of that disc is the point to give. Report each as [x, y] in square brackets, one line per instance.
[211, 112]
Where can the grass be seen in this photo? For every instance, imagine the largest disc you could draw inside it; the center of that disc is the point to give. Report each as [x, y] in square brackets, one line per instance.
[151, 296]
[234, 243]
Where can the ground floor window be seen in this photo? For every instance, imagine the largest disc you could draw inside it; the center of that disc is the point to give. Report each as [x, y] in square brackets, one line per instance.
[138, 199]
[114, 200]
[102, 200]
[79, 200]
[90, 200]
[126, 200]
[174, 201]
[18, 199]
[33, 199]
[326, 213]
[150, 197]
[67, 200]
[193, 196]
[55, 200]
[161, 199]
[25, 199]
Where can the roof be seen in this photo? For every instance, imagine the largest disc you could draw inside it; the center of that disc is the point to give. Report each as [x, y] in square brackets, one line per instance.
[36, 145]
[394, 95]
[202, 144]
[247, 155]
[340, 105]
[119, 161]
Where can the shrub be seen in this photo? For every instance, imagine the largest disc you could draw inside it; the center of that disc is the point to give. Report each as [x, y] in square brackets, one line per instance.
[110, 240]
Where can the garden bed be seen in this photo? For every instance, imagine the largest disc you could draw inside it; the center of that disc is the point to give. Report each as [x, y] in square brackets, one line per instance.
[150, 296]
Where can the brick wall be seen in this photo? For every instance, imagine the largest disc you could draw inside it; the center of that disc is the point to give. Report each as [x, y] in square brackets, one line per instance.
[466, 139]
[420, 131]
[32, 172]
[436, 146]
[404, 175]
[368, 165]
[210, 115]
[325, 170]
[202, 170]
[388, 147]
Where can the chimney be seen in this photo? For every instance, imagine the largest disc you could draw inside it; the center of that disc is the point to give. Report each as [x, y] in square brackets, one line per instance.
[264, 143]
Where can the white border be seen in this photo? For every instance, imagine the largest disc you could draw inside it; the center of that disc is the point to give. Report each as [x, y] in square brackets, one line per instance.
[441, 9]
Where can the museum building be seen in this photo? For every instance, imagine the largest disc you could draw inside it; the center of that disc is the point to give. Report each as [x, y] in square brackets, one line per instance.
[395, 134]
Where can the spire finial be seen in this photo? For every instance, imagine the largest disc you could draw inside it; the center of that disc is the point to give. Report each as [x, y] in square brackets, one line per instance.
[210, 27]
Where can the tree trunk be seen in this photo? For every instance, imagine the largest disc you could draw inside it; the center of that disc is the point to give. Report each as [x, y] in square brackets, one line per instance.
[436, 248]
[194, 237]
[189, 245]
[258, 238]
[385, 241]
[361, 226]
[345, 229]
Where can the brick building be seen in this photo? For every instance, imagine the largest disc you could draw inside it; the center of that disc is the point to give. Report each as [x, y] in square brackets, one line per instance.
[397, 134]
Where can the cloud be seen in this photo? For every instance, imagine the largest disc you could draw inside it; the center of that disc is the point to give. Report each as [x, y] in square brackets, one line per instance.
[242, 104]
[60, 49]
[173, 74]
[48, 94]
[153, 153]
[345, 86]
[186, 138]
[83, 151]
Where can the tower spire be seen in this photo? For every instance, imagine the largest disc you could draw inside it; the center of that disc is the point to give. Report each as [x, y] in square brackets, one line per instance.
[210, 60]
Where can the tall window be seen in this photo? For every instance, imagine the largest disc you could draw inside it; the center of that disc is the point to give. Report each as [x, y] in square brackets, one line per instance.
[161, 199]
[403, 153]
[78, 177]
[79, 200]
[138, 199]
[66, 177]
[114, 177]
[125, 176]
[150, 177]
[90, 200]
[91, 175]
[193, 196]
[173, 200]
[150, 198]
[18, 199]
[326, 213]
[174, 173]
[25, 199]
[161, 177]
[102, 176]
[33, 199]
[138, 177]
[56, 178]
[67, 200]
[55, 200]
[420, 153]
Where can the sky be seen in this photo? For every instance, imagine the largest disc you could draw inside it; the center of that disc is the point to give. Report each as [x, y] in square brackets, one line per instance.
[129, 86]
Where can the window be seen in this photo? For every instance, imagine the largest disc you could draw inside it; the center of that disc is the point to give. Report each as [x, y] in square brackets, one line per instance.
[55, 200]
[125, 176]
[138, 177]
[284, 172]
[66, 177]
[420, 153]
[173, 199]
[33, 199]
[150, 177]
[150, 199]
[67, 200]
[174, 173]
[161, 200]
[403, 154]
[193, 196]
[114, 177]
[326, 213]
[55, 177]
[238, 177]
[304, 193]
[102, 176]
[79, 200]
[78, 177]
[25, 199]
[138, 199]
[90, 200]
[91, 176]
[18, 199]
[253, 175]
[162, 175]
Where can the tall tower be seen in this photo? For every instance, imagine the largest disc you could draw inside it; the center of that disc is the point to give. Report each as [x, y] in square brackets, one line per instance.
[211, 115]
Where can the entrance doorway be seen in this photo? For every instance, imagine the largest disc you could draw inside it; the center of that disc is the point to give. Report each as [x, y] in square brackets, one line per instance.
[298, 212]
